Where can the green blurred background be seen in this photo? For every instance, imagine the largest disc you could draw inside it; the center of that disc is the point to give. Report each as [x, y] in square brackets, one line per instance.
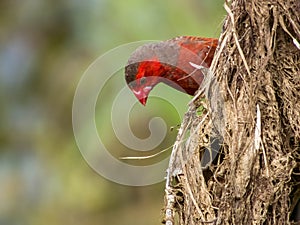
[45, 47]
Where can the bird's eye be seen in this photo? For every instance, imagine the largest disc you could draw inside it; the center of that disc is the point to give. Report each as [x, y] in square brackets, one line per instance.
[132, 84]
[143, 80]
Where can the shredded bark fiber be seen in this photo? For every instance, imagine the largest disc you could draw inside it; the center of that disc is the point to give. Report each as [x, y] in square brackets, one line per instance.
[252, 107]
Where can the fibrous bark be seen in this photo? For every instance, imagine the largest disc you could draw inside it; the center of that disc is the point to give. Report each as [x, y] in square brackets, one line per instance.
[252, 108]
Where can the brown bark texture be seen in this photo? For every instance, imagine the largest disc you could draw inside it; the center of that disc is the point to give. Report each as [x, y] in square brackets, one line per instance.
[248, 124]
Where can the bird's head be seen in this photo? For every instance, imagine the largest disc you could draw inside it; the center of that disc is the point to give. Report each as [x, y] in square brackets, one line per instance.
[141, 77]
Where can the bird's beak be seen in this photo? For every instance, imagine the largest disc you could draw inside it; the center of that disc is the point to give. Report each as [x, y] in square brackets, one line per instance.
[143, 101]
[142, 95]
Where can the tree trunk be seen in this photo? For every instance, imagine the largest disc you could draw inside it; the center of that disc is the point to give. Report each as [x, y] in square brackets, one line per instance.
[252, 108]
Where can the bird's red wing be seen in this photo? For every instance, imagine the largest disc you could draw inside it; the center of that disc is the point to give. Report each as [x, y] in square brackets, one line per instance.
[204, 48]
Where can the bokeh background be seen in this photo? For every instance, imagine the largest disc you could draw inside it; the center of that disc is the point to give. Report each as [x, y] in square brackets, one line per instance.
[45, 47]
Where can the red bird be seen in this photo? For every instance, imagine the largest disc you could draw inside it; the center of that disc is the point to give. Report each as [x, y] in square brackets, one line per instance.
[170, 62]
